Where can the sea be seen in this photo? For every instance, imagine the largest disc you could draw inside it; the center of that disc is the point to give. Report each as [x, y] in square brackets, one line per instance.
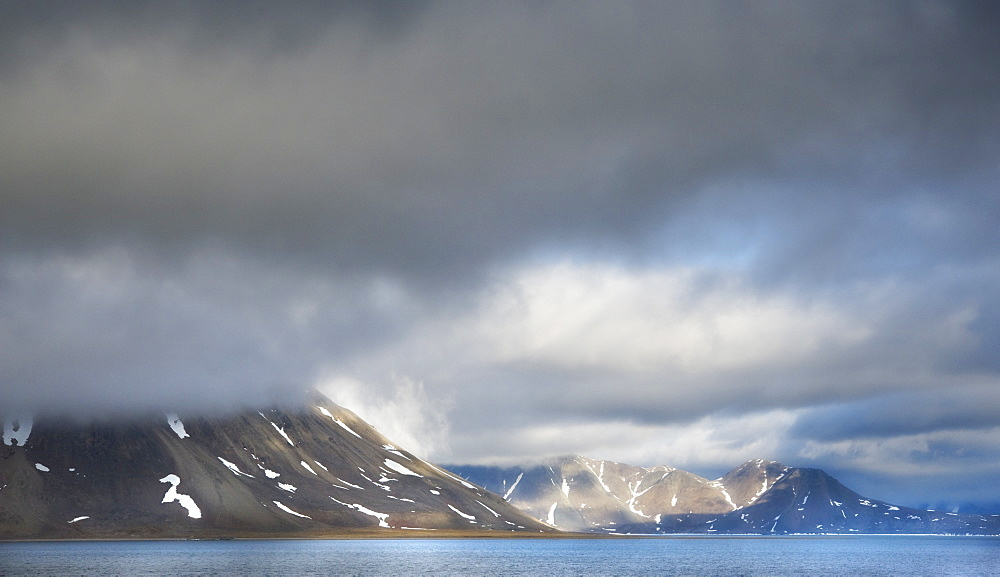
[702, 556]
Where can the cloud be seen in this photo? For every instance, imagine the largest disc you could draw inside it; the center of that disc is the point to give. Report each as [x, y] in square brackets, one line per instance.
[113, 331]
[947, 408]
[942, 467]
[708, 446]
[362, 150]
[677, 344]
[403, 411]
[605, 319]
[641, 217]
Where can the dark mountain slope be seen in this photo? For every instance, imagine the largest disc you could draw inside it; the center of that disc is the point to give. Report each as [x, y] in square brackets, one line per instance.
[309, 471]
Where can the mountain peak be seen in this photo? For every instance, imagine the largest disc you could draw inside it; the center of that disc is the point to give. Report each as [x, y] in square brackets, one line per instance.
[759, 496]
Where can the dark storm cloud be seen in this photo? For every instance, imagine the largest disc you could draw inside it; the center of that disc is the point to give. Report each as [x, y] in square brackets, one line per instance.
[502, 126]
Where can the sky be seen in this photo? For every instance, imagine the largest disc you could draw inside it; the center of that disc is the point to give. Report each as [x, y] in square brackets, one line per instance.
[677, 233]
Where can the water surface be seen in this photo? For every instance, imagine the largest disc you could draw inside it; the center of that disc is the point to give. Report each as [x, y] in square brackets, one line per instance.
[727, 556]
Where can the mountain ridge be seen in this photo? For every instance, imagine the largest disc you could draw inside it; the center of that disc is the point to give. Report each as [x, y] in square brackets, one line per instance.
[320, 470]
[758, 497]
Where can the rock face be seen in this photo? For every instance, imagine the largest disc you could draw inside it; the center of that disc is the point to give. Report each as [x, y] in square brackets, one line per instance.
[311, 471]
[760, 497]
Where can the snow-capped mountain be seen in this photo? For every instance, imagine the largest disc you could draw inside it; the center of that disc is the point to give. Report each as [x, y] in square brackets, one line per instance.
[579, 494]
[312, 471]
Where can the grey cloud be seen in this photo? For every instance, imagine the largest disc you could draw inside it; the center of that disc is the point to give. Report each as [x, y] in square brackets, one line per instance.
[482, 124]
[948, 408]
[110, 332]
[218, 200]
[262, 27]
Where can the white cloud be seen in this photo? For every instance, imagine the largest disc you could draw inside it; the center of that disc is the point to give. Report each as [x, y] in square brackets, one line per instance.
[600, 317]
[400, 408]
[712, 443]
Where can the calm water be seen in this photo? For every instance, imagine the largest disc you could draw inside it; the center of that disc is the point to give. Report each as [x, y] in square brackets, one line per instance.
[853, 555]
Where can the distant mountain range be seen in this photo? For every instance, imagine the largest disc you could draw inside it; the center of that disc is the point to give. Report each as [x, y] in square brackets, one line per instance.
[759, 497]
[312, 472]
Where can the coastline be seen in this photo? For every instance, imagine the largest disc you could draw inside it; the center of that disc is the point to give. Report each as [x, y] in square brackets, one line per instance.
[406, 534]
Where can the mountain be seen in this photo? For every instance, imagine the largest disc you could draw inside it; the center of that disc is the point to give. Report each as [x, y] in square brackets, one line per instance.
[762, 497]
[310, 471]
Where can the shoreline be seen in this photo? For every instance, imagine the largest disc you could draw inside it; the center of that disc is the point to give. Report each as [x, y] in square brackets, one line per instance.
[404, 534]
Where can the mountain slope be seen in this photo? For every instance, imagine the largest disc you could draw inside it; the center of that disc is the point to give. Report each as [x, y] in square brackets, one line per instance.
[308, 471]
[579, 494]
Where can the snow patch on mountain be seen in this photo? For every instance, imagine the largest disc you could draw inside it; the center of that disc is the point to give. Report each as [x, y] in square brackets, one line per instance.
[283, 433]
[463, 515]
[232, 467]
[395, 451]
[383, 518]
[16, 431]
[635, 495]
[599, 476]
[342, 424]
[464, 483]
[352, 485]
[400, 468]
[185, 500]
[725, 494]
[495, 514]
[175, 423]
[513, 486]
[284, 508]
